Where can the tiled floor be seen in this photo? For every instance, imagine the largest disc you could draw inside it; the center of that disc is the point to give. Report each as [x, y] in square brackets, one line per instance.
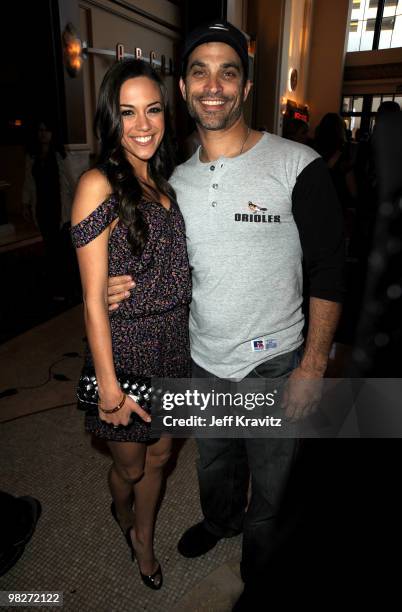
[77, 548]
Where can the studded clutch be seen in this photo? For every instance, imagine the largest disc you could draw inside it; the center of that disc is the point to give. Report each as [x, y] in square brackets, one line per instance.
[138, 388]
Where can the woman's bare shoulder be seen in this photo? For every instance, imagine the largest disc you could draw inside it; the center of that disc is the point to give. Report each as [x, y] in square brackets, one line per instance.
[93, 188]
[95, 181]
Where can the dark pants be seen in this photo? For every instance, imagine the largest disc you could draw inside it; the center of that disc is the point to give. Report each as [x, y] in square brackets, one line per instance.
[15, 520]
[224, 468]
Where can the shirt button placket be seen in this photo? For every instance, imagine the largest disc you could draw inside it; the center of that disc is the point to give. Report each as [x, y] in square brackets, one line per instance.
[214, 186]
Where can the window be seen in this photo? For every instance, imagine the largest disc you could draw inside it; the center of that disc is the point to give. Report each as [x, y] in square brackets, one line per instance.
[375, 24]
[388, 23]
[388, 3]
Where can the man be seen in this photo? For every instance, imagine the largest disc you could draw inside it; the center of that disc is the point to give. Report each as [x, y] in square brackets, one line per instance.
[246, 313]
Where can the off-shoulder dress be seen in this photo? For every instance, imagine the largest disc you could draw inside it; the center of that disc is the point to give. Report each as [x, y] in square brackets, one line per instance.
[150, 329]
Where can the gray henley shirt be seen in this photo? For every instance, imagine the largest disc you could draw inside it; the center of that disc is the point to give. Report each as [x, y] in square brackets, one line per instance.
[245, 253]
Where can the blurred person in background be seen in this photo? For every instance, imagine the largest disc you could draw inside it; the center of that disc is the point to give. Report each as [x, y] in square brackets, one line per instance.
[332, 144]
[296, 130]
[47, 199]
[367, 183]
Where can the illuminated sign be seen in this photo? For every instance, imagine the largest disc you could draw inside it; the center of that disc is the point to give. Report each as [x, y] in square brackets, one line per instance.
[293, 110]
[301, 116]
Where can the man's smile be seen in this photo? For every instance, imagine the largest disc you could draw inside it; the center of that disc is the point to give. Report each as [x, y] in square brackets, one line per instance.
[212, 104]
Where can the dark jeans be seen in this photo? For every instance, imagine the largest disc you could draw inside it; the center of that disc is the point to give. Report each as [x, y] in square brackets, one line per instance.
[224, 468]
[15, 520]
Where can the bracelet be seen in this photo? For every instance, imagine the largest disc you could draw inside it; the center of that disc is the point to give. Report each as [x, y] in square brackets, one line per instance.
[116, 408]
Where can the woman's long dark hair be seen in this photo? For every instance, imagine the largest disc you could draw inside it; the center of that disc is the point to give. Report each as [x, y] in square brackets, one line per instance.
[55, 145]
[112, 159]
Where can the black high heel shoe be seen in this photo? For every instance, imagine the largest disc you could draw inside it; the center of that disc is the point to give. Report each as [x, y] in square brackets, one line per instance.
[155, 580]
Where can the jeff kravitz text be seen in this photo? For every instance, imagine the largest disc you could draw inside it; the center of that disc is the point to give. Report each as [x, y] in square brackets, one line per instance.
[226, 421]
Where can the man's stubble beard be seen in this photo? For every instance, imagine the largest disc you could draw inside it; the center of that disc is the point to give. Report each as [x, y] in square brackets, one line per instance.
[217, 123]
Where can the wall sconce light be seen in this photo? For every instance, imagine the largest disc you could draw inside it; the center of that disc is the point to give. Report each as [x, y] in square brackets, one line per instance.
[72, 50]
[293, 79]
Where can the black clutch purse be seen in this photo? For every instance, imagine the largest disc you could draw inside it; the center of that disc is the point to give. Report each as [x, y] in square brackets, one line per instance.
[138, 388]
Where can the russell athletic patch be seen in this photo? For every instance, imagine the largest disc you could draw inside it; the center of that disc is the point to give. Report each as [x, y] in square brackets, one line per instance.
[261, 344]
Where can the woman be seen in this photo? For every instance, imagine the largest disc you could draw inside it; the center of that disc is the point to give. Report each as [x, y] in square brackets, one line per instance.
[126, 220]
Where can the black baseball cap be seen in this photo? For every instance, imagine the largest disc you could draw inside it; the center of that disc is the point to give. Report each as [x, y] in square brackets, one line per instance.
[223, 32]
